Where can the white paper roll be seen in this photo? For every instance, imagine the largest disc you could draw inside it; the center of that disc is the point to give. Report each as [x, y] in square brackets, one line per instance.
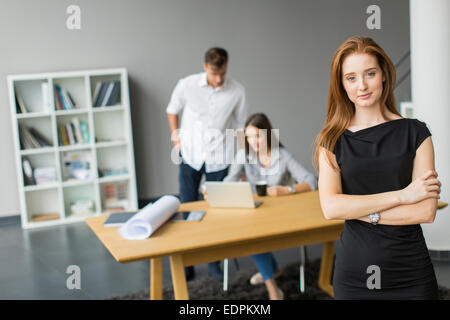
[150, 218]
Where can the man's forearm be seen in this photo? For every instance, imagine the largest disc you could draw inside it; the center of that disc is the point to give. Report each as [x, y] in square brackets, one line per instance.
[173, 125]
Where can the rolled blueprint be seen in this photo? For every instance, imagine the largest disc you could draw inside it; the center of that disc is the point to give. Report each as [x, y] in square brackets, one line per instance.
[148, 219]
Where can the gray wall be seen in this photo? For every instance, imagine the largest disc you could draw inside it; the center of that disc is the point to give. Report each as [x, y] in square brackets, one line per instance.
[279, 49]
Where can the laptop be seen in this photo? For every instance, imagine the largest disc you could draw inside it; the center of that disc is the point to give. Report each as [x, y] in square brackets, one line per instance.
[230, 195]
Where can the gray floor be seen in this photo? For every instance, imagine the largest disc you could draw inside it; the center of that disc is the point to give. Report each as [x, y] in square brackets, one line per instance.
[33, 264]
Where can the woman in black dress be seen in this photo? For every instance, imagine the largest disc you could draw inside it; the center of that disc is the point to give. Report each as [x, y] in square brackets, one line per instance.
[376, 172]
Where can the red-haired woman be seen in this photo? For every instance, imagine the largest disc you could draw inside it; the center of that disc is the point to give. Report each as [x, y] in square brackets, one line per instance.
[376, 172]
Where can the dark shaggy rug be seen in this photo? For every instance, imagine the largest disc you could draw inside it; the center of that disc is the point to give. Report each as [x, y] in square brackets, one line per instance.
[239, 288]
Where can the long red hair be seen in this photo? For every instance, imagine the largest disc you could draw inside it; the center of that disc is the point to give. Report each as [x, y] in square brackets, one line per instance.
[340, 109]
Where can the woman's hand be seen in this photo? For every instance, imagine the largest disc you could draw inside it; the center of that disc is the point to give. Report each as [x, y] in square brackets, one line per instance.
[275, 191]
[427, 186]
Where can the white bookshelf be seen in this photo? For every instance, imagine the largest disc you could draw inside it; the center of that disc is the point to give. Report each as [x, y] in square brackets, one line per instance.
[108, 147]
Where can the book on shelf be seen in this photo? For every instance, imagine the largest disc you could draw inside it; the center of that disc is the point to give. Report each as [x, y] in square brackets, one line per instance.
[85, 132]
[106, 93]
[77, 130]
[20, 105]
[107, 172]
[115, 196]
[64, 99]
[58, 102]
[63, 139]
[30, 138]
[43, 141]
[45, 96]
[70, 134]
[44, 217]
[73, 132]
[45, 175]
[82, 207]
[77, 165]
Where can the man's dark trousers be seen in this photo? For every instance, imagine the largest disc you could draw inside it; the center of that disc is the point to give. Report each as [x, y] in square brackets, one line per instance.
[189, 181]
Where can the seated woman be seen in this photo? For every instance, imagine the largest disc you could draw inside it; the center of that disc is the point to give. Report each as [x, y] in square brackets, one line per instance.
[265, 159]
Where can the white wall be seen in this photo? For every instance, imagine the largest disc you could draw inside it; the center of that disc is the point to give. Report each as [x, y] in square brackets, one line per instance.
[279, 49]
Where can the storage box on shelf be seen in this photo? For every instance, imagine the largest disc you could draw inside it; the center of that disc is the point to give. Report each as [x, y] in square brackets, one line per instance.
[72, 136]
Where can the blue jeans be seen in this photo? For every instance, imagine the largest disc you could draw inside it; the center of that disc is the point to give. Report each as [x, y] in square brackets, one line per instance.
[266, 264]
[189, 181]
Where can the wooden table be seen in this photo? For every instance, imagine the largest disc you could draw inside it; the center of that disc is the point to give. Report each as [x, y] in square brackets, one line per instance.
[279, 223]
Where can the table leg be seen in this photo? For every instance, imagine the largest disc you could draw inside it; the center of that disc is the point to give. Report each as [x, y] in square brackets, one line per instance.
[156, 278]
[178, 278]
[326, 267]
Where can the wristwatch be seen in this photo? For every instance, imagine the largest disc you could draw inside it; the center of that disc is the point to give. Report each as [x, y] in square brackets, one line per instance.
[291, 189]
[374, 218]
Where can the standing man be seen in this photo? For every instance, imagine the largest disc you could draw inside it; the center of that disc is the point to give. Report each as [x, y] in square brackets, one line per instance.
[211, 103]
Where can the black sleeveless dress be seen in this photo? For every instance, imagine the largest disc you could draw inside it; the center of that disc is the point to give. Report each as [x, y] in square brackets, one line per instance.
[375, 160]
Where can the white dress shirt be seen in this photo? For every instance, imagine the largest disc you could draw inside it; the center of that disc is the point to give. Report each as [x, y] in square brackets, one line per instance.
[207, 114]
